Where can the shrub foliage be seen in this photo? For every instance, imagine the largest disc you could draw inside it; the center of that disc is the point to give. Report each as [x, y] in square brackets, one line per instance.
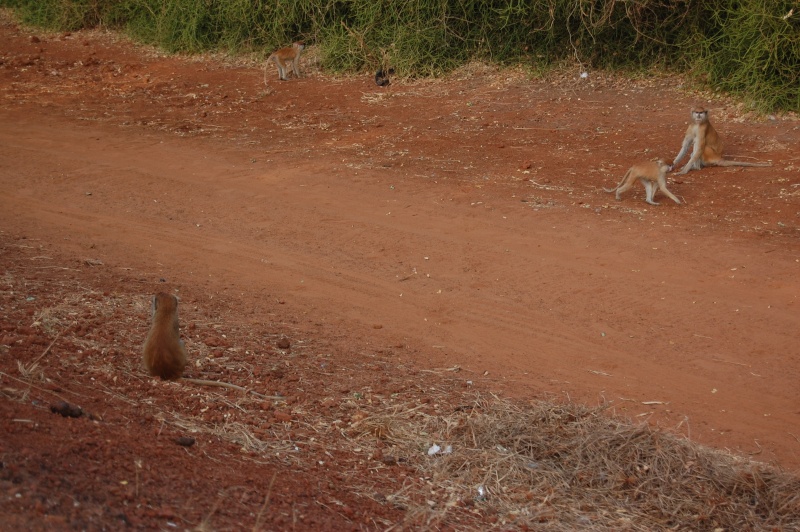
[748, 47]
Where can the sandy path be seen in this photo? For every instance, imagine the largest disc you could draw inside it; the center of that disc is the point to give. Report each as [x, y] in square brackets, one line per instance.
[563, 301]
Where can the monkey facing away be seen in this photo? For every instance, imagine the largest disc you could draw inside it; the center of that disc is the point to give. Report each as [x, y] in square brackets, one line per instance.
[651, 174]
[164, 353]
[290, 54]
[707, 150]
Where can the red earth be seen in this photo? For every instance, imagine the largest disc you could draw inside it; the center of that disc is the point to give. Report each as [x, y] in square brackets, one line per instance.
[335, 243]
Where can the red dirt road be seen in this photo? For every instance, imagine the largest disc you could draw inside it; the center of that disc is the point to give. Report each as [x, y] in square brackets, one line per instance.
[458, 222]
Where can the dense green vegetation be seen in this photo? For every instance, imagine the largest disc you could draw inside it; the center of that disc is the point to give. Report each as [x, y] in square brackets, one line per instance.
[747, 47]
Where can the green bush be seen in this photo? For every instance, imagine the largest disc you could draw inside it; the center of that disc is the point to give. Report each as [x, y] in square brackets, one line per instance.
[748, 47]
[754, 52]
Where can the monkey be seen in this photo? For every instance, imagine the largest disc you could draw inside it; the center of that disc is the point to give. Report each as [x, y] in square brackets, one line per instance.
[382, 78]
[707, 149]
[164, 352]
[651, 173]
[290, 54]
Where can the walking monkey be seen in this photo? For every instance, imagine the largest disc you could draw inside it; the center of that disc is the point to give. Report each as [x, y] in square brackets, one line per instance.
[652, 174]
[290, 54]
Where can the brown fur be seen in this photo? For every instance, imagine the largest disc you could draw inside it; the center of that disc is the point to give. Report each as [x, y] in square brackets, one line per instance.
[651, 174]
[290, 54]
[164, 353]
[707, 149]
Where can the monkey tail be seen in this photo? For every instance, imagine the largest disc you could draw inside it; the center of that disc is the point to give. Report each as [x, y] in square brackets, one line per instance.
[611, 190]
[724, 162]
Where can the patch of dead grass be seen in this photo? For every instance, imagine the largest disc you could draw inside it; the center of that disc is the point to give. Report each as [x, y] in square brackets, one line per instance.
[567, 467]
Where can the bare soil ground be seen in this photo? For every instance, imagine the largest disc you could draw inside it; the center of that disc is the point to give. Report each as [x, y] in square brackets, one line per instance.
[339, 246]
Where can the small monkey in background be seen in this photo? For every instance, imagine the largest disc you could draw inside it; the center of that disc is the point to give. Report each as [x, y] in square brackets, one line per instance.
[707, 149]
[651, 174]
[164, 353]
[290, 54]
[382, 77]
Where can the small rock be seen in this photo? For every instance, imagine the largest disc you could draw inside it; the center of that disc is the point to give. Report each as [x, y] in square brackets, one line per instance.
[358, 416]
[215, 341]
[283, 343]
[282, 417]
[66, 409]
[7, 340]
[185, 441]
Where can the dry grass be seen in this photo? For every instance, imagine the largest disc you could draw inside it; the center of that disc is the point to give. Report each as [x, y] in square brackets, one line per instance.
[568, 467]
[500, 464]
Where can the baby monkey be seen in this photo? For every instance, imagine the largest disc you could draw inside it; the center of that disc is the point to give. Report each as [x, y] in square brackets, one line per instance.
[651, 174]
[164, 353]
[290, 54]
[707, 149]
